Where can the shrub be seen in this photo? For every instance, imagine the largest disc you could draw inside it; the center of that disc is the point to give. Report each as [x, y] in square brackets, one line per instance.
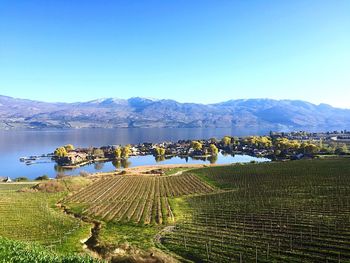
[42, 178]
[84, 173]
[21, 179]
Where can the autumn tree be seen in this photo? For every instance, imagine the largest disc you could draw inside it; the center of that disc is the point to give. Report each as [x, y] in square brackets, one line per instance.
[159, 151]
[126, 151]
[213, 149]
[69, 147]
[117, 153]
[226, 140]
[60, 152]
[196, 145]
[309, 148]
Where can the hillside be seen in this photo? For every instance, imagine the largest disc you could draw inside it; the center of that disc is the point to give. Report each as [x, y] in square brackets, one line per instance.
[146, 113]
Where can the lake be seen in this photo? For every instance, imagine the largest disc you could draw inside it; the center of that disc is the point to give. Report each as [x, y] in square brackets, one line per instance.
[16, 144]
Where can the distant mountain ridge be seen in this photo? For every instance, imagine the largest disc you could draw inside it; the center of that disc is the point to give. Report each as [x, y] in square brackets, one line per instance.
[139, 112]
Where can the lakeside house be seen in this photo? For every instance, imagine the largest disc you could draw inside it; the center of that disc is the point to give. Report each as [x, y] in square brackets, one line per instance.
[73, 158]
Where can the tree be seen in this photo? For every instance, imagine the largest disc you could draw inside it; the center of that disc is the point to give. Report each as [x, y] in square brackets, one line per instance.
[21, 179]
[283, 144]
[212, 159]
[97, 152]
[259, 141]
[159, 151]
[213, 140]
[226, 140]
[69, 147]
[196, 145]
[42, 178]
[60, 152]
[117, 153]
[341, 149]
[213, 149]
[126, 151]
[309, 148]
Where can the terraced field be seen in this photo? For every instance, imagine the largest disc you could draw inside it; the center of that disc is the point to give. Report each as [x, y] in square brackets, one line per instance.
[277, 212]
[139, 199]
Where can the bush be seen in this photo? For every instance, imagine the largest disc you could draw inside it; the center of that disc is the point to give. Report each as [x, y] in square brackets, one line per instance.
[84, 173]
[21, 179]
[61, 176]
[52, 186]
[20, 252]
[42, 178]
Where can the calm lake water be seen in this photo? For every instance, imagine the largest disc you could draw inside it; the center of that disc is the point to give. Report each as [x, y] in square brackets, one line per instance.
[15, 144]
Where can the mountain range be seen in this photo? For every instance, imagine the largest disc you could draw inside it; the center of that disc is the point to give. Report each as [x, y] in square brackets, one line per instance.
[146, 113]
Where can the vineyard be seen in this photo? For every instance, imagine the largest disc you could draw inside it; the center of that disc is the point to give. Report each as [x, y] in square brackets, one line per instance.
[139, 199]
[28, 216]
[272, 212]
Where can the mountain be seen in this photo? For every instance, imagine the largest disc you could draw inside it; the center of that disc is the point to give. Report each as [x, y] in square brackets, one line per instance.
[145, 113]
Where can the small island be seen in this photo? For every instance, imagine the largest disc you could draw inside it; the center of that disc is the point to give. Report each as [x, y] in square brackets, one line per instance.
[275, 146]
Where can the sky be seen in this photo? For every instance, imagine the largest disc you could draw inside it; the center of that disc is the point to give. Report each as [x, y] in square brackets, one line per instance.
[187, 50]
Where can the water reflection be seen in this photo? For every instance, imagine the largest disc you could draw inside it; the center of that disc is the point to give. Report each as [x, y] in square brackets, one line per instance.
[99, 166]
[118, 164]
[159, 160]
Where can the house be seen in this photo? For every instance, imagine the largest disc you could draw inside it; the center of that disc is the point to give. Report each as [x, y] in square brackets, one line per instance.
[73, 158]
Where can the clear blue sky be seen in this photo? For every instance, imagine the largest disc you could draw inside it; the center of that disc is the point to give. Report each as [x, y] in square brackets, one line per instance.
[187, 50]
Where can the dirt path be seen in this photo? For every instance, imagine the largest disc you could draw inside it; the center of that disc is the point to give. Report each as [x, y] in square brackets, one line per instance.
[147, 169]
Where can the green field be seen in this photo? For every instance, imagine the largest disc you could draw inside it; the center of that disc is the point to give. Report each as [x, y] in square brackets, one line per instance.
[20, 252]
[271, 212]
[33, 217]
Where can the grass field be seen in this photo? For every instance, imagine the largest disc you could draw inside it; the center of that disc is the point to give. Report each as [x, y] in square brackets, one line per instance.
[20, 252]
[138, 199]
[33, 217]
[272, 212]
